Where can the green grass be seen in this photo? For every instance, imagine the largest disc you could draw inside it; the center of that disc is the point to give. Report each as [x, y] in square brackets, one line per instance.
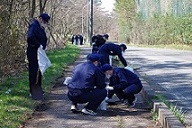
[179, 113]
[15, 104]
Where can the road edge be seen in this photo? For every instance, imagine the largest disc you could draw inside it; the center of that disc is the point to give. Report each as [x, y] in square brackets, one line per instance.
[165, 116]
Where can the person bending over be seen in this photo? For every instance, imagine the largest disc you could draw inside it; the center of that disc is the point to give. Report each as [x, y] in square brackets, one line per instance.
[87, 85]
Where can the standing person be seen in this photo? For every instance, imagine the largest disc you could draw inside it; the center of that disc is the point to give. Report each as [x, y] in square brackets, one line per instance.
[112, 49]
[87, 85]
[36, 36]
[73, 39]
[124, 82]
[81, 39]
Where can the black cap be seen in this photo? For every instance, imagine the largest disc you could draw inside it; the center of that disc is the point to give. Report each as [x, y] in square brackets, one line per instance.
[106, 36]
[124, 46]
[106, 67]
[45, 17]
[93, 57]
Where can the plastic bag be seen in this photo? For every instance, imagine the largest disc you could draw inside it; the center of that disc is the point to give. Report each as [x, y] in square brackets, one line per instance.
[43, 60]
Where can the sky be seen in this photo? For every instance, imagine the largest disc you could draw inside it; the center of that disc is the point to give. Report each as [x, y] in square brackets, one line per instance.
[108, 4]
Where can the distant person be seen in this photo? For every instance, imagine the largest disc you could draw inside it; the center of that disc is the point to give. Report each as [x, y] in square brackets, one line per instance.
[81, 39]
[73, 39]
[76, 39]
[87, 86]
[124, 82]
[36, 36]
[112, 49]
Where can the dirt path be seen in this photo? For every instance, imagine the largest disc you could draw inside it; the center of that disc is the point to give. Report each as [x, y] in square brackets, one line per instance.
[58, 114]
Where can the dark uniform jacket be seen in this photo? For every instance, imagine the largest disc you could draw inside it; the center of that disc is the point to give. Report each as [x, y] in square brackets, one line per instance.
[86, 76]
[36, 35]
[122, 78]
[112, 49]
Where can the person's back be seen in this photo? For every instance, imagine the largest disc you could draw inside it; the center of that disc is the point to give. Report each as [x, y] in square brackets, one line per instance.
[36, 35]
[110, 49]
[83, 76]
[126, 76]
[87, 86]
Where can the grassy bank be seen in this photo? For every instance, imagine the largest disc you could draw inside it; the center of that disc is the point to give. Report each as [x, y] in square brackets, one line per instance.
[15, 103]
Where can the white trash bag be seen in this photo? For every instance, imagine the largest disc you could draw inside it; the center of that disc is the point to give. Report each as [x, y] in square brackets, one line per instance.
[103, 105]
[43, 60]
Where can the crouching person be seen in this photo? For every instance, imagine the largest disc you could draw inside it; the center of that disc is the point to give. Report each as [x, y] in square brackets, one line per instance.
[87, 86]
[125, 83]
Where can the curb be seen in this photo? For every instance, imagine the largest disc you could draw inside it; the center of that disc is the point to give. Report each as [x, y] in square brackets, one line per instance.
[165, 117]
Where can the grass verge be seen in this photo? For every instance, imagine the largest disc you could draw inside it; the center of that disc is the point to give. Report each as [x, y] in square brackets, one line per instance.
[178, 112]
[15, 104]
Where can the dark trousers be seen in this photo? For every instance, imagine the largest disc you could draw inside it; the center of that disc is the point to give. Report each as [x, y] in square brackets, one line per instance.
[35, 79]
[93, 98]
[127, 93]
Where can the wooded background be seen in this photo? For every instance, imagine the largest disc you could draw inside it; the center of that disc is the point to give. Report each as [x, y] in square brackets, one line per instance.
[151, 22]
[66, 19]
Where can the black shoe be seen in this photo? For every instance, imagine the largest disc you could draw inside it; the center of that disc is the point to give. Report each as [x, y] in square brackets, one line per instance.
[41, 107]
[74, 108]
[131, 105]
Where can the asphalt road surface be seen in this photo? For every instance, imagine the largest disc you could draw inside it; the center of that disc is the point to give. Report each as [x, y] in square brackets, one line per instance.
[168, 72]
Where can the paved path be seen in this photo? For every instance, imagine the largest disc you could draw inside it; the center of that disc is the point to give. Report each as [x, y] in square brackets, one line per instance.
[169, 72]
[58, 114]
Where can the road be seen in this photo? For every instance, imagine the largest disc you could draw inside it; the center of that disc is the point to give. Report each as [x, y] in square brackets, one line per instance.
[168, 71]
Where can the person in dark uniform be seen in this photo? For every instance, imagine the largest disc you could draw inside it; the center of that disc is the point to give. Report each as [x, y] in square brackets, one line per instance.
[87, 85]
[73, 39]
[36, 36]
[124, 82]
[112, 49]
[81, 39]
[97, 41]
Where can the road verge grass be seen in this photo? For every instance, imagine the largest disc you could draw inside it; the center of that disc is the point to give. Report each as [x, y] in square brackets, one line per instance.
[15, 103]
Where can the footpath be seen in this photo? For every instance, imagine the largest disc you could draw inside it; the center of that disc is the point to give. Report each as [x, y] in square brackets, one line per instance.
[58, 114]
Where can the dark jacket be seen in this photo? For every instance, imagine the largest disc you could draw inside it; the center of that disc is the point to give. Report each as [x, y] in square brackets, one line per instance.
[36, 35]
[112, 49]
[87, 76]
[123, 78]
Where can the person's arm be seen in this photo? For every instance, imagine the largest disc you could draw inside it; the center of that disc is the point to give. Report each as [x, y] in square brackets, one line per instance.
[122, 59]
[31, 36]
[122, 84]
[100, 79]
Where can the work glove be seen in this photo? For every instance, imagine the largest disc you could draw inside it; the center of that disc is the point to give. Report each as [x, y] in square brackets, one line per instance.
[109, 87]
[67, 80]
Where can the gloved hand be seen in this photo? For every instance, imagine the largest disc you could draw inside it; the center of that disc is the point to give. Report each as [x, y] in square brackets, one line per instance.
[109, 87]
[67, 80]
